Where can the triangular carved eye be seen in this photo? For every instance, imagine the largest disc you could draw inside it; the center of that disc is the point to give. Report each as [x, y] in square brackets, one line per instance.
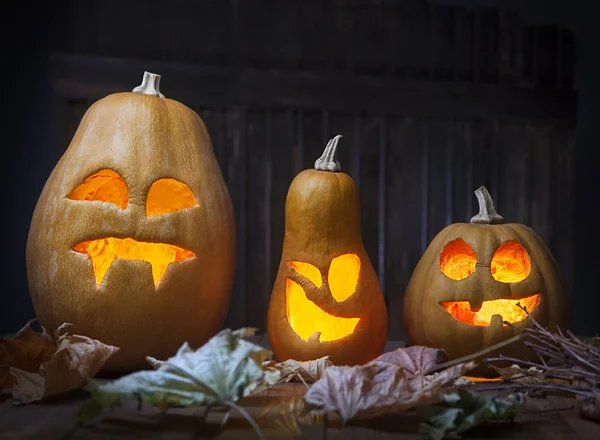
[510, 263]
[169, 195]
[103, 186]
[343, 276]
[457, 260]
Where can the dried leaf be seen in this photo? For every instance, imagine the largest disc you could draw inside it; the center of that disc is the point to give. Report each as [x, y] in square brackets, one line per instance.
[75, 359]
[373, 389]
[27, 350]
[220, 372]
[526, 376]
[296, 371]
[462, 410]
[27, 386]
[35, 365]
[416, 360]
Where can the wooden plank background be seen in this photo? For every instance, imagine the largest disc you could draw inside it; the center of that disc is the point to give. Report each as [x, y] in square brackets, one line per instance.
[433, 101]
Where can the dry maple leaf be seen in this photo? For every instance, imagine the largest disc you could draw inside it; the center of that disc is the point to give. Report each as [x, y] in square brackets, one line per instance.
[416, 360]
[299, 371]
[371, 390]
[42, 366]
[26, 351]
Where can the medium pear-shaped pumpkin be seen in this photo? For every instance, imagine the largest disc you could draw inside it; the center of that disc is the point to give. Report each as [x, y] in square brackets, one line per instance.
[326, 299]
[133, 237]
[465, 292]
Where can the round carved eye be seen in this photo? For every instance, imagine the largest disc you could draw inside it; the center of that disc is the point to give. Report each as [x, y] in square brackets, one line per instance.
[511, 263]
[343, 276]
[169, 195]
[457, 260]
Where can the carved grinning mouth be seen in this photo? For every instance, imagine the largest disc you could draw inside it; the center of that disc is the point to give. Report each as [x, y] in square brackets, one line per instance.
[507, 308]
[104, 251]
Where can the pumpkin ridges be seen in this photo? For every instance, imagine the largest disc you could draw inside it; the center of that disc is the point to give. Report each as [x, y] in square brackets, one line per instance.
[428, 324]
[322, 222]
[119, 132]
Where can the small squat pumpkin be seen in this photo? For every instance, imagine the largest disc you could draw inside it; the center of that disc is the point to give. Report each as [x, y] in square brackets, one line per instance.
[326, 299]
[133, 237]
[465, 289]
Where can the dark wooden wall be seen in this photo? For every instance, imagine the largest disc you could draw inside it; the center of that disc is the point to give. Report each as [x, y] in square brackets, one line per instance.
[433, 101]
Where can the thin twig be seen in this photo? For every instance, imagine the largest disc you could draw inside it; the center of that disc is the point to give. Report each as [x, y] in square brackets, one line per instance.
[514, 361]
[509, 386]
[478, 354]
[541, 411]
[574, 358]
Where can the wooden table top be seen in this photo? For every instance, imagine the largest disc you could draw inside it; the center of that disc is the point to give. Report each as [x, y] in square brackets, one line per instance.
[543, 418]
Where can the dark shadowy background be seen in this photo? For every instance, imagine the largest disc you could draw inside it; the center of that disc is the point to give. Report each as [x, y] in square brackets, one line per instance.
[434, 98]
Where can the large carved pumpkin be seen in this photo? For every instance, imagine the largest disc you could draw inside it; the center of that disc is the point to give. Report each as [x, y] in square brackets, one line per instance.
[464, 292]
[133, 237]
[326, 299]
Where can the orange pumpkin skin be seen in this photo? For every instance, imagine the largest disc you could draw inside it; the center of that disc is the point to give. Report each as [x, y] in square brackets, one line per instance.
[427, 323]
[143, 138]
[322, 222]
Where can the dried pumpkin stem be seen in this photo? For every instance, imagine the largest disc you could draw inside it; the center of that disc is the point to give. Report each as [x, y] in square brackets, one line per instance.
[328, 160]
[150, 85]
[487, 213]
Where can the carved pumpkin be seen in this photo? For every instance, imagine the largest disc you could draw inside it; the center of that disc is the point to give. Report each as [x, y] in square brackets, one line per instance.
[465, 289]
[133, 237]
[326, 299]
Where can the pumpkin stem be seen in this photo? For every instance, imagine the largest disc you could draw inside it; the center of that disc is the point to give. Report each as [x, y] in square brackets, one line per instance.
[487, 213]
[328, 160]
[150, 85]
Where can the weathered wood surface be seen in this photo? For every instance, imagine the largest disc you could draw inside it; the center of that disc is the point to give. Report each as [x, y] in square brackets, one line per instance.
[80, 77]
[552, 418]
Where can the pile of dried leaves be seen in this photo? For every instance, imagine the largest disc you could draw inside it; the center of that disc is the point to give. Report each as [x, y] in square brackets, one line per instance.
[37, 365]
[229, 367]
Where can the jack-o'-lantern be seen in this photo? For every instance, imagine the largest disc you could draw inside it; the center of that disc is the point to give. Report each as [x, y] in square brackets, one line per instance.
[326, 299]
[466, 291]
[133, 237]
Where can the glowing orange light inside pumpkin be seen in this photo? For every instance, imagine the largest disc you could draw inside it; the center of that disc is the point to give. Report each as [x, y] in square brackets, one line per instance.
[104, 186]
[169, 195]
[457, 260]
[104, 251]
[305, 317]
[343, 276]
[507, 308]
[510, 263]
